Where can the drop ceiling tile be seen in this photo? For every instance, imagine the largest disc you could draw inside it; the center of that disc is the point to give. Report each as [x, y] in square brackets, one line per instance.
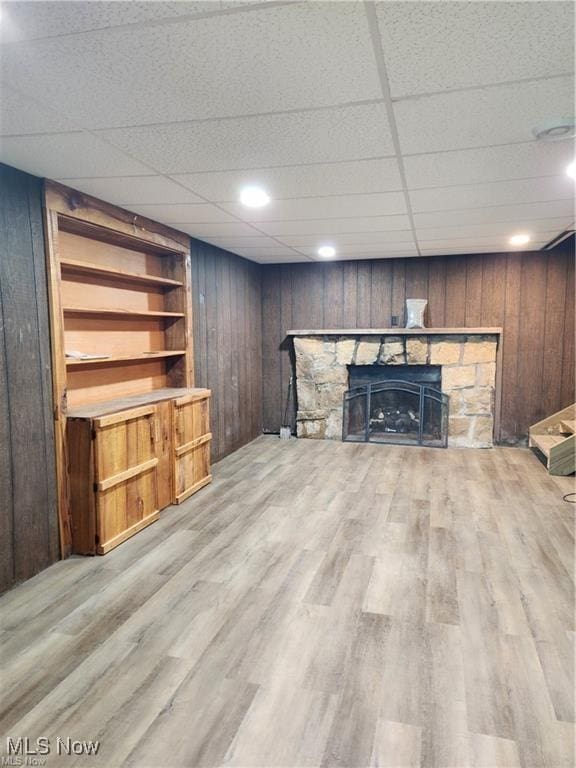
[134, 190]
[470, 244]
[67, 154]
[294, 259]
[495, 229]
[437, 46]
[504, 114]
[230, 243]
[497, 193]
[506, 248]
[329, 227]
[388, 254]
[502, 213]
[184, 214]
[226, 229]
[272, 59]
[352, 238]
[265, 253]
[21, 115]
[358, 176]
[341, 133]
[37, 18]
[471, 166]
[349, 251]
[336, 206]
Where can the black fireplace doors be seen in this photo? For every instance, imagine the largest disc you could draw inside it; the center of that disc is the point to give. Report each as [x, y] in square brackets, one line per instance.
[395, 411]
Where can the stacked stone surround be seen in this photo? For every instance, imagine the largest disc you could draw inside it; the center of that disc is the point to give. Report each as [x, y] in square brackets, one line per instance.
[468, 377]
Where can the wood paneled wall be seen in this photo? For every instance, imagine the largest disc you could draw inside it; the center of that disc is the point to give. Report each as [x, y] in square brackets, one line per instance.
[227, 304]
[530, 295]
[28, 515]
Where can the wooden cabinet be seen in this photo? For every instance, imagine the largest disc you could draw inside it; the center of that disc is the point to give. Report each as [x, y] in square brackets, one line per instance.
[122, 464]
[121, 326]
[192, 438]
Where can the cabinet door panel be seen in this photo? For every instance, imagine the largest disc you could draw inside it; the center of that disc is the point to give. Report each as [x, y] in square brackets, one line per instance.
[126, 474]
[191, 419]
[126, 508]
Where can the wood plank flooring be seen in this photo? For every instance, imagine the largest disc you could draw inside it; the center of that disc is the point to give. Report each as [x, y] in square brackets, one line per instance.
[320, 604]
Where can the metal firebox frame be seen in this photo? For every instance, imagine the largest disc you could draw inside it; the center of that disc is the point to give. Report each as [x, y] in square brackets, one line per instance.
[422, 390]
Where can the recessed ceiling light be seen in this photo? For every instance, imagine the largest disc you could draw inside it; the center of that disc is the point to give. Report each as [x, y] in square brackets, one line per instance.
[326, 251]
[571, 170]
[254, 197]
[519, 239]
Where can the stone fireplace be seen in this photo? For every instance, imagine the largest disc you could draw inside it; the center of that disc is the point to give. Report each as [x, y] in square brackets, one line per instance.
[466, 358]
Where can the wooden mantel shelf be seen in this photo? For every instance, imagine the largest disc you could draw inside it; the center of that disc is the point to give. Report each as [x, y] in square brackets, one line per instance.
[397, 332]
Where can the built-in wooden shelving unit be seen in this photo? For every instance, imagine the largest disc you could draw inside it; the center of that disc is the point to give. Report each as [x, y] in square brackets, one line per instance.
[121, 324]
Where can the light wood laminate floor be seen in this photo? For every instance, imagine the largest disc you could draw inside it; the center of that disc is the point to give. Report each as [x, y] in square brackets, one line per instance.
[320, 604]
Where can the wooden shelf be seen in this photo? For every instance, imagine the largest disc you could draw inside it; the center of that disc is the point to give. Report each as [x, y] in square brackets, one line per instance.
[397, 332]
[101, 270]
[140, 357]
[119, 312]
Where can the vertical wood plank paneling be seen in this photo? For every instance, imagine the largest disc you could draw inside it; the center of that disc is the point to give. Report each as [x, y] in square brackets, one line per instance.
[308, 295]
[509, 429]
[473, 309]
[363, 311]
[228, 326]
[285, 344]
[493, 291]
[567, 376]
[350, 294]
[455, 306]
[199, 313]
[437, 292]
[236, 283]
[381, 298]
[531, 337]
[27, 468]
[399, 290]
[333, 295]
[272, 307]
[557, 269]
[6, 494]
[43, 318]
[417, 278]
[223, 362]
[212, 373]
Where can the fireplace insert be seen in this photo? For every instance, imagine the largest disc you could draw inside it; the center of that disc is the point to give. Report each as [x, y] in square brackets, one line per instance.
[383, 406]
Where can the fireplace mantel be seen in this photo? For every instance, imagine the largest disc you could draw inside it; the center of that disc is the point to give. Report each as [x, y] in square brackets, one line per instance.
[397, 332]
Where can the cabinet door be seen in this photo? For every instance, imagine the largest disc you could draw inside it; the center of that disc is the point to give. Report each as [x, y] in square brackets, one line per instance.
[191, 420]
[126, 482]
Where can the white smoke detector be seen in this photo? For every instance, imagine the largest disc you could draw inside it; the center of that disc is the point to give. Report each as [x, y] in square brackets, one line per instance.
[556, 130]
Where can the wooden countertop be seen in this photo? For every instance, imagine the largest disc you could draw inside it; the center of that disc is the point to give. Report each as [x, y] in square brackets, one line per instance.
[94, 410]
